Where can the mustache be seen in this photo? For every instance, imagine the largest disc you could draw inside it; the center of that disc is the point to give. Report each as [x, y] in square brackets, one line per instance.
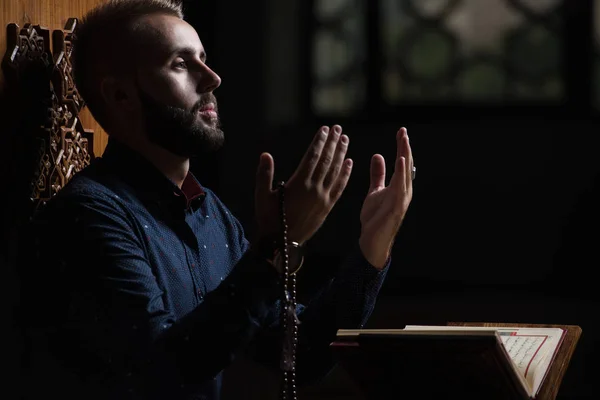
[204, 100]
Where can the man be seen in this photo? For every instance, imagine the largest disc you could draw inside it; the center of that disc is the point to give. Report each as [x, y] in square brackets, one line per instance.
[159, 290]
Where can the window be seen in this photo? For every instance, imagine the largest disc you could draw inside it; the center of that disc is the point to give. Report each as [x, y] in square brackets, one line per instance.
[339, 56]
[420, 51]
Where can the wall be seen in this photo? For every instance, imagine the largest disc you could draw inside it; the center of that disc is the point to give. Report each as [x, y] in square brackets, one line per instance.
[52, 14]
[504, 223]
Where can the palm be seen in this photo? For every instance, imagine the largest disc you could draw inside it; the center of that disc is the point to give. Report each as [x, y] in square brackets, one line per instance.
[384, 206]
[375, 204]
[385, 202]
[310, 193]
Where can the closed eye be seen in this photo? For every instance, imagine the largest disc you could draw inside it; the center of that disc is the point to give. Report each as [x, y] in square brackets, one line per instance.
[181, 65]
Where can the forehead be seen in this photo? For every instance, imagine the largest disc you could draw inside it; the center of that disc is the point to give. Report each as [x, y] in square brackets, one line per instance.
[165, 35]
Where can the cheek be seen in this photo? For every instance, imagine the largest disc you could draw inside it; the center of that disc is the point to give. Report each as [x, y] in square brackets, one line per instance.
[173, 89]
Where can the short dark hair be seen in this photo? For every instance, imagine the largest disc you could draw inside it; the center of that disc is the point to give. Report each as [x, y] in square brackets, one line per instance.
[103, 37]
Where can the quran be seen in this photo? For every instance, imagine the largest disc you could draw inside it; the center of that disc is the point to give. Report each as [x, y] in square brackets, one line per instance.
[527, 352]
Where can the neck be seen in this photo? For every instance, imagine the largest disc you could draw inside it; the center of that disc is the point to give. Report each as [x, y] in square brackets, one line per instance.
[174, 167]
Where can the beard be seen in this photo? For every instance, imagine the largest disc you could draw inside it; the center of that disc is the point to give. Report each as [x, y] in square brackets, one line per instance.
[180, 131]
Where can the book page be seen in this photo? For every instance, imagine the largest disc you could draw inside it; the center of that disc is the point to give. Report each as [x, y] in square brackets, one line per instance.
[530, 349]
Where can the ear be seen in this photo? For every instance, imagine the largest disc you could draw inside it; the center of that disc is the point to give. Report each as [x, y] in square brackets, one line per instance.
[116, 93]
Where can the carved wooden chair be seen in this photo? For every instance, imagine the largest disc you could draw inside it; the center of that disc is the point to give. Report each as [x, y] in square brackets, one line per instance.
[43, 143]
[48, 144]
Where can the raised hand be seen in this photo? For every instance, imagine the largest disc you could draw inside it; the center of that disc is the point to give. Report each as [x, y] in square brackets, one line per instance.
[310, 193]
[384, 207]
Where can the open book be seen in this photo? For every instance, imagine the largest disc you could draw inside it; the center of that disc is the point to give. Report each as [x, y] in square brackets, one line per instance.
[530, 350]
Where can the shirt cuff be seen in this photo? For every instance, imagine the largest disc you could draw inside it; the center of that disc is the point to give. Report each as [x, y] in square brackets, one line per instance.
[358, 261]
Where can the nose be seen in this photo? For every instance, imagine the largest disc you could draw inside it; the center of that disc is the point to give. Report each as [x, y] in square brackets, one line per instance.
[208, 80]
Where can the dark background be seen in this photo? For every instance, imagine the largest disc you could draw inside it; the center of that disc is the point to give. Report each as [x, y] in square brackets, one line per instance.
[504, 220]
[503, 224]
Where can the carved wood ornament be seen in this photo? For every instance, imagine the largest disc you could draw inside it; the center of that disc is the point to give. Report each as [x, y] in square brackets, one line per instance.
[41, 72]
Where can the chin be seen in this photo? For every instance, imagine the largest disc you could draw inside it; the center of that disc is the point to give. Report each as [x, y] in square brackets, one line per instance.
[210, 139]
[211, 125]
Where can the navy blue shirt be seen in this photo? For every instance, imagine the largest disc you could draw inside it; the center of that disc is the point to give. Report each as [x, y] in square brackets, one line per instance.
[137, 289]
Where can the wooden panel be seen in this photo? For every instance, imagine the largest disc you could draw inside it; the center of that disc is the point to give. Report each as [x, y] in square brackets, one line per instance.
[52, 14]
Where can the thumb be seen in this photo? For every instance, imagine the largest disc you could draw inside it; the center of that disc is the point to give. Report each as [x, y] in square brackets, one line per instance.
[264, 176]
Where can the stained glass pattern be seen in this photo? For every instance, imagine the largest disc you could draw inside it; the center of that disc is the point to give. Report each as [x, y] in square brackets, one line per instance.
[338, 56]
[440, 50]
[493, 50]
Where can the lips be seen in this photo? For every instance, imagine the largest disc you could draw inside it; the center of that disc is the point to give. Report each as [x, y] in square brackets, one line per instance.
[207, 107]
[208, 111]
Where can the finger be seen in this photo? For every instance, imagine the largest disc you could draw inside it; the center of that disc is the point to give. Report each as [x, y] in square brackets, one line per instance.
[400, 171]
[264, 177]
[341, 181]
[313, 153]
[377, 173]
[338, 160]
[407, 152]
[403, 150]
[327, 155]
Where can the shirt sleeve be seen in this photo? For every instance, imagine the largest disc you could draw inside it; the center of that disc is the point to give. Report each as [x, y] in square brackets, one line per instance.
[346, 302]
[100, 304]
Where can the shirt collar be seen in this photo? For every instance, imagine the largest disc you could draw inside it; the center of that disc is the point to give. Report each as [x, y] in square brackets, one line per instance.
[149, 181]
